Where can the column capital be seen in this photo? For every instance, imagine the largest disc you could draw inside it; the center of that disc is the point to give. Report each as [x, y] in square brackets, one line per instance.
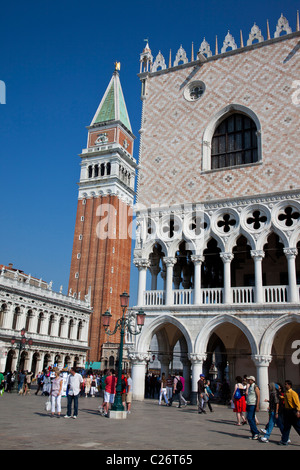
[262, 360]
[290, 252]
[169, 261]
[139, 357]
[257, 254]
[141, 263]
[197, 357]
[227, 257]
[197, 259]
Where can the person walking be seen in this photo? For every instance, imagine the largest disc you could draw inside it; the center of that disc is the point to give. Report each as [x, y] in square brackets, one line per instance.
[252, 405]
[2, 382]
[291, 415]
[73, 389]
[177, 389]
[21, 380]
[28, 378]
[202, 397]
[129, 392]
[39, 379]
[163, 389]
[56, 392]
[9, 382]
[93, 386]
[209, 394]
[169, 387]
[110, 391]
[273, 413]
[238, 398]
[87, 384]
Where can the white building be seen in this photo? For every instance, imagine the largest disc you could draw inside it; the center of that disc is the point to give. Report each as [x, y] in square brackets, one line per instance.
[57, 324]
[218, 211]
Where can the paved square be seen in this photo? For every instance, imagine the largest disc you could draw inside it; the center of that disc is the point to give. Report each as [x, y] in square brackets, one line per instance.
[25, 425]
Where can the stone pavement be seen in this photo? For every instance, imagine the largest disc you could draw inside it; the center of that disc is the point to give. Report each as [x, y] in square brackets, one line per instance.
[25, 425]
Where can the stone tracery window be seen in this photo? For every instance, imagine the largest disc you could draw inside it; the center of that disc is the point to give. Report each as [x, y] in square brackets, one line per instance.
[234, 142]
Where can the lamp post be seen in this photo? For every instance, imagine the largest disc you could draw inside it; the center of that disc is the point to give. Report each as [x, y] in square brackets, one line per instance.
[22, 345]
[122, 324]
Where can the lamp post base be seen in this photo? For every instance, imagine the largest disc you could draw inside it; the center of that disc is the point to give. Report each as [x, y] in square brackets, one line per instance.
[117, 414]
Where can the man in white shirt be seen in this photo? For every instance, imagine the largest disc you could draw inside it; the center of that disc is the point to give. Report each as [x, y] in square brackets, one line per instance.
[73, 388]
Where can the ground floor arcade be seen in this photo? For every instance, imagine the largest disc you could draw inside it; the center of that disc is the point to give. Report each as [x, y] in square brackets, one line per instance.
[221, 343]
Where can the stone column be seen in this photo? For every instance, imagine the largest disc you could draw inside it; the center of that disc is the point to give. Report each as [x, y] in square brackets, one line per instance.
[164, 362]
[142, 265]
[186, 375]
[33, 322]
[197, 369]
[8, 316]
[64, 328]
[291, 254]
[258, 256]
[55, 326]
[28, 360]
[197, 260]
[227, 258]
[262, 378]
[21, 320]
[138, 371]
[169, 262]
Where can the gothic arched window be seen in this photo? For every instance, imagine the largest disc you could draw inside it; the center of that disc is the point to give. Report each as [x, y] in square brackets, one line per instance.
[234, 142]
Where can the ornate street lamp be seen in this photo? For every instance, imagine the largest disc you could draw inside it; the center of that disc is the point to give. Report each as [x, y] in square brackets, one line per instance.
[23, 341]
[123, 324]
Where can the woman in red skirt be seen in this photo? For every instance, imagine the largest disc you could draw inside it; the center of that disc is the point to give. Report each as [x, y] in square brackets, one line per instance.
[239, 400]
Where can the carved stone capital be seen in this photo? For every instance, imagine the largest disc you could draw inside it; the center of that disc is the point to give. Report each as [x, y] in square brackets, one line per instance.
[257, 254]
[197, 358]
[197, 259]
[139, 357]
[262, 360]
[141, 263]
[290, 252]
[169, 261]
[227, 257]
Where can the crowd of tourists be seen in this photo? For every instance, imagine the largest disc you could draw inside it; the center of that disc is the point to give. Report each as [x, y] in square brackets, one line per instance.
[284, 403]
[284, 408]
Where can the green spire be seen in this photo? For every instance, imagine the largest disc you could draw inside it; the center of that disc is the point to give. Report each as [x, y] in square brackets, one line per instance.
[112, 106]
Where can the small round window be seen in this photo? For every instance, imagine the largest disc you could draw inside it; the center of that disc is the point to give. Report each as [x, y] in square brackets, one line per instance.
[194, 91]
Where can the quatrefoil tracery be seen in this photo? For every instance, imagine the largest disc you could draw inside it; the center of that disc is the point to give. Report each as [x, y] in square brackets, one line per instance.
[257, 220]
[226, 223]
[289, 216]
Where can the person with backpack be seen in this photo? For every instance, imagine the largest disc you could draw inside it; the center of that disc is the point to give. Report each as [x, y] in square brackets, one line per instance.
[178, 385]
[239, 401]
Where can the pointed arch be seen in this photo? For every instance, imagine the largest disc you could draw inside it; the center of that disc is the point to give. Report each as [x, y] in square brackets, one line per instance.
[204, 335]
[144, 339]
[216, 120]
[269, 334]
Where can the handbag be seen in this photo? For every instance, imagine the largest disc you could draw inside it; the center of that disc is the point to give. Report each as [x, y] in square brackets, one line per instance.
[48, 405]
[237, 394]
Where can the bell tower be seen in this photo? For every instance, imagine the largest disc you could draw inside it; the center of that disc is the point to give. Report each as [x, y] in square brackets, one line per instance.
[101, 256]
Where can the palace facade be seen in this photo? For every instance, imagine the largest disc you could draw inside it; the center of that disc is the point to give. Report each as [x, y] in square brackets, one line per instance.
[218, 211]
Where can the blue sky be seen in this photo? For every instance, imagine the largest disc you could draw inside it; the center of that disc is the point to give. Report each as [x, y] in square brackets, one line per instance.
[57, 58]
